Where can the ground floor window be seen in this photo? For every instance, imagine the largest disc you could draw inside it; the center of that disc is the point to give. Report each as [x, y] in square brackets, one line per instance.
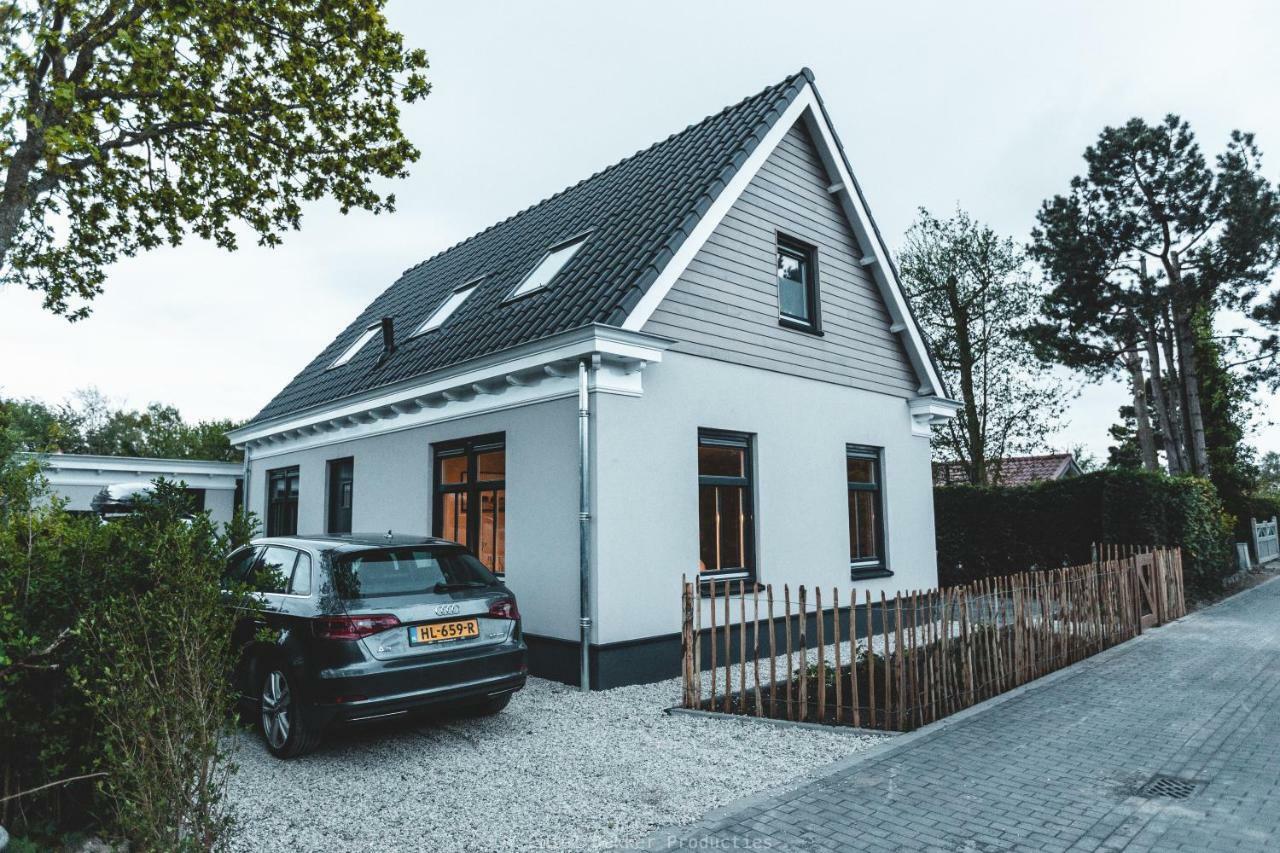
[196, 498]
[341, 486]
[726, 505]
[282, 501]
[866, 510]
[471, 497]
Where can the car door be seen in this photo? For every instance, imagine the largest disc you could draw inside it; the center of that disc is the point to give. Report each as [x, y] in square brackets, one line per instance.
[238, 573]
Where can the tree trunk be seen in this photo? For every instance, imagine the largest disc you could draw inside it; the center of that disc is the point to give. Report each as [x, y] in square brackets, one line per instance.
[1146, 438]
[1191, 387]
[977, 450]
[1187, 363]
[1170, 431]
[1177, 395]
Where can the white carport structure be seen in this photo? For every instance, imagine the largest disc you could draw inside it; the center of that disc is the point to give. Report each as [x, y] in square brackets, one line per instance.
[78, 477]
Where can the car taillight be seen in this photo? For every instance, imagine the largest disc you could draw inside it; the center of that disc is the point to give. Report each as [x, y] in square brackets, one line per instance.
[504, 609]
[352, 627]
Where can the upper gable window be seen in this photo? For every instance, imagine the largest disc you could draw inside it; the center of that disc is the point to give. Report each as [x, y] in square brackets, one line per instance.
[797, 284]
[547, 268]
[358, 344]
[446, 309]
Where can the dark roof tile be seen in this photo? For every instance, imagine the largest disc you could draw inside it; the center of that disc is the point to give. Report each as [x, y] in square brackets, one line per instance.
[638, 212]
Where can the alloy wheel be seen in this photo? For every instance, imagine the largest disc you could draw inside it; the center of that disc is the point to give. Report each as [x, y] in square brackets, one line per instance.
[276, 709]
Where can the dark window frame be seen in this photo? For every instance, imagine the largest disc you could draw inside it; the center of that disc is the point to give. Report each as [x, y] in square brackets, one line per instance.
[807, 253]
[879, 567]
[746, 441]
[273, 528]
[472, 488]
[331, 508]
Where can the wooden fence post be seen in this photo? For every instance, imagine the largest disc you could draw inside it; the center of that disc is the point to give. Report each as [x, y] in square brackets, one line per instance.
[871, 665]
[755, 638]
[773, 657]
[727, 633]
[822, 657]
[853, 657]
[686, 643]
[899, 660]
[711, 638]
[786, 599]
[742, 644]
[888, 675]
[804, 656]
[835, 628]
[728, 649]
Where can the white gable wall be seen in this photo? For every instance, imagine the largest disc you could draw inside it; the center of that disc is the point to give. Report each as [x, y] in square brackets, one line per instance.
[647, 487]
[725, 303]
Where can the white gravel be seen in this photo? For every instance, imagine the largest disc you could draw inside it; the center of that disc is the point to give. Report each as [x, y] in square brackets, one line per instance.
[557, 770]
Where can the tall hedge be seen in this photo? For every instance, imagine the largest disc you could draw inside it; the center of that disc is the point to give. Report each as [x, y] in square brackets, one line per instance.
[993, 531]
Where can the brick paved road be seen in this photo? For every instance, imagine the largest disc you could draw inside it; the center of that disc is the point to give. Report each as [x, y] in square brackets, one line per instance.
[1057, 766]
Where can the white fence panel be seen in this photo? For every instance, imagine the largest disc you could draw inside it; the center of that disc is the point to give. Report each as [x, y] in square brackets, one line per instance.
[1266, 540]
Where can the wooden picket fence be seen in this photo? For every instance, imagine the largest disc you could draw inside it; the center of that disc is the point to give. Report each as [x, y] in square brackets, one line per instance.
[901, 662]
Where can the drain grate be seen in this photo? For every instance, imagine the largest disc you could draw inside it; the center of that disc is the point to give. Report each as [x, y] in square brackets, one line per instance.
[1170, 788]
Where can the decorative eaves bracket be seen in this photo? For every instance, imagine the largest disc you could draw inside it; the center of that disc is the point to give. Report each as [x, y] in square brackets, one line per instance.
[929, 410]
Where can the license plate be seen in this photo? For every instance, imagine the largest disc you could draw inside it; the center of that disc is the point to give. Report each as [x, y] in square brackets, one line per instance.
[440, 631]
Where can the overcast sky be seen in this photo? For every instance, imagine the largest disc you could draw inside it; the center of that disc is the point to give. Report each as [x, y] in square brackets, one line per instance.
[984, 105]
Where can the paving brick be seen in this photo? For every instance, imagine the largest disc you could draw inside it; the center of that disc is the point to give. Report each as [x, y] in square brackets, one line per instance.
[1056, 767]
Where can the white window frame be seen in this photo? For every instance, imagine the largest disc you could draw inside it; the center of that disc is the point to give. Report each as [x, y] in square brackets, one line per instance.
[545, 271]
[447, 308]
[357, 345]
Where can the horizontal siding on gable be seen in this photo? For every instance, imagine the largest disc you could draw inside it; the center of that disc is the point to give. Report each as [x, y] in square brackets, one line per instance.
[725, 304]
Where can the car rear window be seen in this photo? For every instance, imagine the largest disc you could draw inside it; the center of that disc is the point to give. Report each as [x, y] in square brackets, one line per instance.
[407, 571]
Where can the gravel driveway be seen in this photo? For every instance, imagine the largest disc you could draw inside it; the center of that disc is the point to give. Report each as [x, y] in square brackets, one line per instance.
[557, 770]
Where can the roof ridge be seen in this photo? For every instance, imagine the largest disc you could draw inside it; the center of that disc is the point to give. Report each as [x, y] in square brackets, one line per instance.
[783, 84]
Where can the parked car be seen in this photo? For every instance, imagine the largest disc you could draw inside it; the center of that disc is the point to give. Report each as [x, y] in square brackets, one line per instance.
[122, 499]
[362, 627]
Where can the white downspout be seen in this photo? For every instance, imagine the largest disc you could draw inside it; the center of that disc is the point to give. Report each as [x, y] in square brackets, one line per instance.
[584, 524]
[244, 488]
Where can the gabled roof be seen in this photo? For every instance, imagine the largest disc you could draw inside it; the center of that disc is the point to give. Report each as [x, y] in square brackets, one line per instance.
[639, 216]
[1014, 470]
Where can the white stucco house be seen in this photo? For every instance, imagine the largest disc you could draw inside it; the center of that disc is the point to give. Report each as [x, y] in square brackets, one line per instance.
[757, 395]
[78, 478]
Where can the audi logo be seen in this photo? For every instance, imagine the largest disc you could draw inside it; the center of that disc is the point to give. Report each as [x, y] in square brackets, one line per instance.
[448, 609]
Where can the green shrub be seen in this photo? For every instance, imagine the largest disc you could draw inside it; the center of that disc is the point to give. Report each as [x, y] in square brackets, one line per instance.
[156, 680]
[983, 532]
[114, 647]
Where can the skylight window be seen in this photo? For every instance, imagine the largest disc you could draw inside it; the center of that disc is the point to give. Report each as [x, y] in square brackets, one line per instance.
[447, 308]
[350, 352]
[548, 267]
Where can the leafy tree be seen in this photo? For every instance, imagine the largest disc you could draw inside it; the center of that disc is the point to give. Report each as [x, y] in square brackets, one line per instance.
[125, 124]
[1150, 241]
[1125, 454]
[1084, 458]
[973, 291]
[1269, 474]
[91, 424]
[1226, 402]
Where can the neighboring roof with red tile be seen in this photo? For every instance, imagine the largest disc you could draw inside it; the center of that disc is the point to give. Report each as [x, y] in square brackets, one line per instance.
[1013, 470]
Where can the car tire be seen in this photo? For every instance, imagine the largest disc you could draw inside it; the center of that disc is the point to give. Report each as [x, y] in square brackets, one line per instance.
[282, 716]
[488, 707]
